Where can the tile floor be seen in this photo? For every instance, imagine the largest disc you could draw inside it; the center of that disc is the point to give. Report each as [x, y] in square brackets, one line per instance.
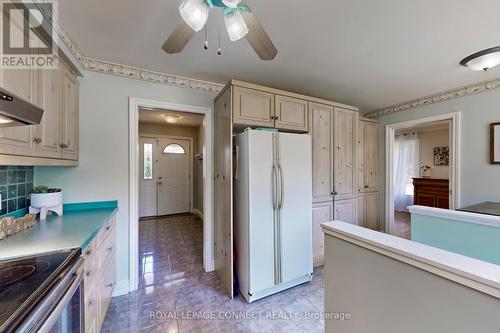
[174, 287]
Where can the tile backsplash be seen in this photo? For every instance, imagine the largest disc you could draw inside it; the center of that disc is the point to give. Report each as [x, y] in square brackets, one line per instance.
[16, 182]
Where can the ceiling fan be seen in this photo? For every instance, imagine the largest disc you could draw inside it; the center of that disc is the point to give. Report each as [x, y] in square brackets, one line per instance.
[239, 19]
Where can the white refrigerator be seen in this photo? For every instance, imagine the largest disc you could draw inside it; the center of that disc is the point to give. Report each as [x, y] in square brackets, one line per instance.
[272, 212]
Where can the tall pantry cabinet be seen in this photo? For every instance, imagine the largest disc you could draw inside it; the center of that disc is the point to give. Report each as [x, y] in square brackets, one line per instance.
[345, 170]
[333, 131]
[367, 174]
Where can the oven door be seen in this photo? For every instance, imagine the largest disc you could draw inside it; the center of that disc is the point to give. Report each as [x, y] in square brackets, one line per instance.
[62, 309]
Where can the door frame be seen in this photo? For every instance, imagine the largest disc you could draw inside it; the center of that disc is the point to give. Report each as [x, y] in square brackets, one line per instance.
[134, 105]
[190, 156]
[454, 133]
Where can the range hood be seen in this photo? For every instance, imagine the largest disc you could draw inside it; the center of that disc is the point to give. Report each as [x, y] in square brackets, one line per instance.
[15, 111]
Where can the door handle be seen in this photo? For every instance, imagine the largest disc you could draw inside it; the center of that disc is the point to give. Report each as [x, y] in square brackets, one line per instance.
[280, 202]
[275, 187]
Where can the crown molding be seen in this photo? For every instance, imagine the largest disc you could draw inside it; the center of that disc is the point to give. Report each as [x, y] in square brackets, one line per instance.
[107, 67]
[438, 98]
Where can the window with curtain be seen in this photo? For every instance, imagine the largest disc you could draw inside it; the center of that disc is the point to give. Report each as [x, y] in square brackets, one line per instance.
[405, 169]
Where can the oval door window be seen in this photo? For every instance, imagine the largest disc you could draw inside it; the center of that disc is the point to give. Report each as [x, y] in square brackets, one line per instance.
[174, 148]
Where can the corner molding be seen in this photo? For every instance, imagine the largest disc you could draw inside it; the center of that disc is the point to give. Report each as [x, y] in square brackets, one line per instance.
[107, 67]
[441, 97]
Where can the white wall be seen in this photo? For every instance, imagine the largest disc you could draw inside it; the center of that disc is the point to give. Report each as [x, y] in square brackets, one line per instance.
[427, 141]
[479, 180]
[103, 173]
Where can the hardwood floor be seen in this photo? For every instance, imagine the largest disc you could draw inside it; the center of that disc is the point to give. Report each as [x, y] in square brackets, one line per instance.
[402, 225]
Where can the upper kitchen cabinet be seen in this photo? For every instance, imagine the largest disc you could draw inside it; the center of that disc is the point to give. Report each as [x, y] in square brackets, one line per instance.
[23, 83]
[291, 114]
[253, 107]
[70, 112]
[48, 133]
[344, 133]
[322, 143]
[259, 106]
[367, 156]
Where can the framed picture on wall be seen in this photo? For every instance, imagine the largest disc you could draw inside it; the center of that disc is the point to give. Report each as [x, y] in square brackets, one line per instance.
[442, 156]
[495, 143]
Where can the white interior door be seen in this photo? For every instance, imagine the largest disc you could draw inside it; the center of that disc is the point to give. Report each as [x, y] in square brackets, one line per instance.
[147, 176]
[174, 176]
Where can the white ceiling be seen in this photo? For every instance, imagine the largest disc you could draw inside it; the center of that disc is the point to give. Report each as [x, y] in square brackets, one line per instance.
[156, 117]
[369, 54]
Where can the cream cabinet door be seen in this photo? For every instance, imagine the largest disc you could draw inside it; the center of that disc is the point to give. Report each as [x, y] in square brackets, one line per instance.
[253, 107]
[371, 175]
[372, 218]
[345, 211]
[291, 114]
[24, 84]
[49, 133]
[322, 143]
[70, 105]
[344, 144]
[360, 157]
[322, 212]
[360, 211]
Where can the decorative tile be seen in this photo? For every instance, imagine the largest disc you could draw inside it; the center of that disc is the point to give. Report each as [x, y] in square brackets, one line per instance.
[16, 182]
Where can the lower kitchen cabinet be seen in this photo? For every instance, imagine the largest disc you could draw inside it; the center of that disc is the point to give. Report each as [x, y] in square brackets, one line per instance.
[345, 211]
[321, 213]
[368, 211]
[99, 276]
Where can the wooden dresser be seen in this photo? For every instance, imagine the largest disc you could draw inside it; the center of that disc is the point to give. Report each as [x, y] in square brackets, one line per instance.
[431, 192]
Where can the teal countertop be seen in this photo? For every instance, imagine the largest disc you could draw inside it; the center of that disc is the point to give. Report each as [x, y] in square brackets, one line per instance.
[77, 227]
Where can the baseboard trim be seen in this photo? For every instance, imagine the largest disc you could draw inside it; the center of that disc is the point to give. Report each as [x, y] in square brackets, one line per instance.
[121, 288]
[319, 262]
[197, 212]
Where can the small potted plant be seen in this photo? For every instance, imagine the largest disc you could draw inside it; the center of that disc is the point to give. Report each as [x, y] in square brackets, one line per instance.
[44, 196]
[426, 171]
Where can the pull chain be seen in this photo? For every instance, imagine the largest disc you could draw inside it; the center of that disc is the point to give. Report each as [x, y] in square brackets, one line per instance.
[219, 51]
[205, 45]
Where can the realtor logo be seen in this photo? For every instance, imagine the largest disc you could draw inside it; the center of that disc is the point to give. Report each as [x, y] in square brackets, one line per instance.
[28, 37]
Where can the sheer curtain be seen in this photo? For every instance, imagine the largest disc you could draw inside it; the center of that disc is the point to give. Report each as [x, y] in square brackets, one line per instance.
[405, 168]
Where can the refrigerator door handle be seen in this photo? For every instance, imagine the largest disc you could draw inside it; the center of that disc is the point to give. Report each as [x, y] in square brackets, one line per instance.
[275, 187]
[280, 202]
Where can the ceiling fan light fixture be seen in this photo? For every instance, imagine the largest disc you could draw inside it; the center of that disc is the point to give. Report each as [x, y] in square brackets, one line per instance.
[172, 118]
[194, 13]
[482, 60]
[235, 25]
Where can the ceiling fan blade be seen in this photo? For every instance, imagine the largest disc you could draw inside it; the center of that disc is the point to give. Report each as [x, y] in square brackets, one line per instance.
[178, 39]
[258, 38]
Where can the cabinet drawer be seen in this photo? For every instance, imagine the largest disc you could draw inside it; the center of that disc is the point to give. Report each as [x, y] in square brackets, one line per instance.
[106, 250]
[105, 231]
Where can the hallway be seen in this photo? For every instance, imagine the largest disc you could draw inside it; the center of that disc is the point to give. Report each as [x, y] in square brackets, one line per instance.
[176, 295]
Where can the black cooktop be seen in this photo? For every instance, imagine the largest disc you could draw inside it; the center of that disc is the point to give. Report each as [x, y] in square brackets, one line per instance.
[25, 281]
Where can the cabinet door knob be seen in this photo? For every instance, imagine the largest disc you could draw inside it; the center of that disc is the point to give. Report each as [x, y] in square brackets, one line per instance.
[92, 302]
[109, 285]
[88, 273]
[89, 252]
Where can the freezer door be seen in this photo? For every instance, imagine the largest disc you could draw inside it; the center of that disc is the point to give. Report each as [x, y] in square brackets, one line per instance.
[295, 201]
[261, 211]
